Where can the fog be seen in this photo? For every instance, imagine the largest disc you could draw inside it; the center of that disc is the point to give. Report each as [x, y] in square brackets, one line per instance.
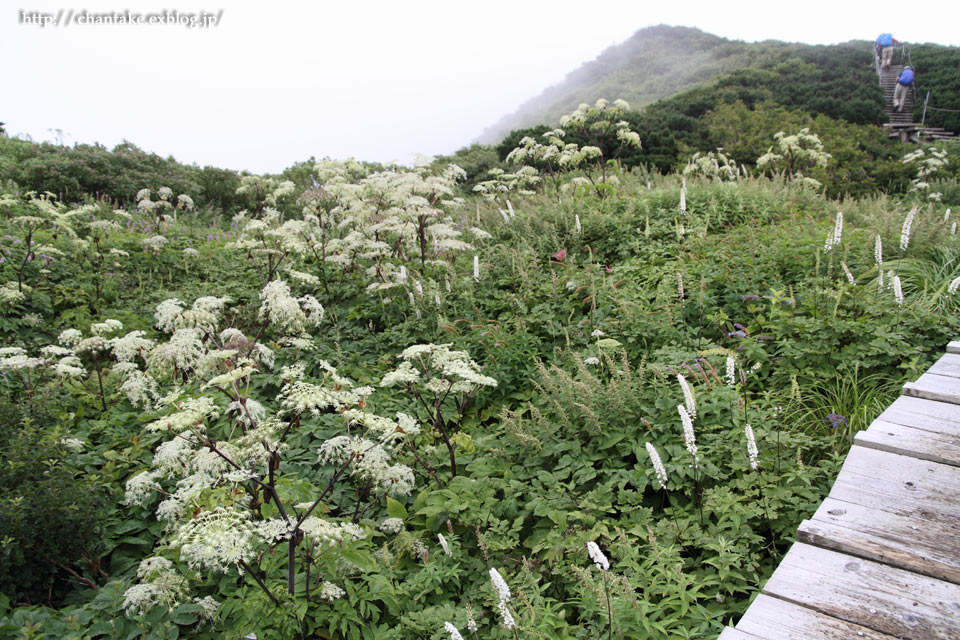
[270, 85]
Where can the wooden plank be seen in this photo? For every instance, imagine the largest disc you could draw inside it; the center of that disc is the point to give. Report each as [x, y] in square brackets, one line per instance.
[922, 547]
[917, 489]
[775, 619]
[908, 441]
[953, 346]
[948, 365]
[870, 594]
[930, 386]
[730, 633]
[928, 415]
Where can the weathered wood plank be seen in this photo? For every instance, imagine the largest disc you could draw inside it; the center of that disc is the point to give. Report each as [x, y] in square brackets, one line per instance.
[926, 548]
[905, 476]
[917, 489]
[948, 365]
[929, 415]
[908, 441]
[930, 386]
[953, 346]
[734, 634]
[870, 594]
[775, 619]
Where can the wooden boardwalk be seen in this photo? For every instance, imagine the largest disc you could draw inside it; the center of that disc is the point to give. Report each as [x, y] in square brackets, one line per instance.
[880, 559]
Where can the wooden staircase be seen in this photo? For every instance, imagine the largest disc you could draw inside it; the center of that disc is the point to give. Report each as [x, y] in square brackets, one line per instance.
[901, 123]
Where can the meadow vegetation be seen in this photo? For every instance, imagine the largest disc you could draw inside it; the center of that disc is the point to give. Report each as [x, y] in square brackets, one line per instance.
[560, 396]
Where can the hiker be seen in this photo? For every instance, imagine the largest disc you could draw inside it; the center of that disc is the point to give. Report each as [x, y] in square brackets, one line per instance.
[904, 82]
[885, 45]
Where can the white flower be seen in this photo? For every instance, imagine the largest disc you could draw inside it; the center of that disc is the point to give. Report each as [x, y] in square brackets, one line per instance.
[688, 399]
[897, 291]
[680, 285]
[281, 308]
[597, 556]
[443, 544]
[452, 630]
[689, 439]
[878, 251]
[506, 618]
[128, 347]
[835, 238]
[105, 327]
[209, 606]
[597, 333]
[141, 597]
[731, 371]
[141, 487]
[752, 450]
[499, 585]
[153, 565]
[69, 337]
[154, 243]
[11, 294]
[850, 278]
[72, 443]
[216, 540]
[476, 268]
[167, 314]
[905, 230]
[592, 360]
[954, 285]
[577, 220]
[391, 525]
[658, 467]
[330, 591]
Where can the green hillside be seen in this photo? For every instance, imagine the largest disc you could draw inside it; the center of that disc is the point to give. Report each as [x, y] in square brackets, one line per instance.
[663, 62]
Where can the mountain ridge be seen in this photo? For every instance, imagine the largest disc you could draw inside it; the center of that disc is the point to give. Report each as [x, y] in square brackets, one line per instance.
[654, 63]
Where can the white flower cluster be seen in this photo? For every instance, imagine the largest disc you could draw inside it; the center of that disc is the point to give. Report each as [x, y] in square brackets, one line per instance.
[714, 165]
[597, 556]
[391, 525]
[370, 462]
[689, 439]
[905, 230]
[658, 467]
[288, 314]
[836, 237]
[445, 371]
[216, 540]
[752, 452]
[688, 398]
[452, 630]
[503, 597]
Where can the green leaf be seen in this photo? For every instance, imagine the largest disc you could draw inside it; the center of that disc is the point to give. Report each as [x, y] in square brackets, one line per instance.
[395, 509]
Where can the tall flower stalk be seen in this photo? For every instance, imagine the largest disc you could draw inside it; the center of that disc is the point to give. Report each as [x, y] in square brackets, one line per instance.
[601, 562]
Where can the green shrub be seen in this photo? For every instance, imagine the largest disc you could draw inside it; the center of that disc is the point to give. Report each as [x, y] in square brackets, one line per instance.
[50, 519]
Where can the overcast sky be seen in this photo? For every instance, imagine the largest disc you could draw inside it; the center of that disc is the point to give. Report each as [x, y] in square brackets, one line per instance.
[277, 82]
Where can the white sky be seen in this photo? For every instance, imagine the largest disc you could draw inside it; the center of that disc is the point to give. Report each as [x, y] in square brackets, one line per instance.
[278, 82]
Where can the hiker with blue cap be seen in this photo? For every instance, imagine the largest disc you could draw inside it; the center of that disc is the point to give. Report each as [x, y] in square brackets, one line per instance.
[904, 82]
[885, 45]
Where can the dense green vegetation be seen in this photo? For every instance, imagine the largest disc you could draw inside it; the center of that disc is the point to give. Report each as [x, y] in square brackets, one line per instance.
[332, 413]
[938, 71]
[658, 63]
